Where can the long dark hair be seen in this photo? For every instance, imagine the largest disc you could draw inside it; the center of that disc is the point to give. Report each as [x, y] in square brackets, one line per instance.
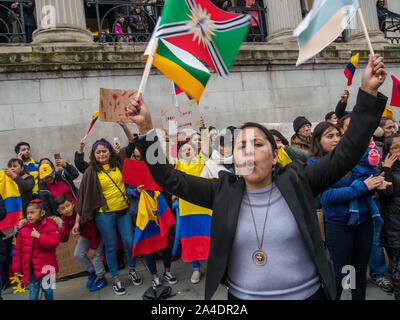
[316, 148]
[388, 144]
[20, 162]
[280, 136]
[114, 158]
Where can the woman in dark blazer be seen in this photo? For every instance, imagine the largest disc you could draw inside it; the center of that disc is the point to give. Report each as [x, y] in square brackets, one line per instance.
[293, 252]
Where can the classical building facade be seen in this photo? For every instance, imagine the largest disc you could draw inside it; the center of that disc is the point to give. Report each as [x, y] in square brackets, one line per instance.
[50, 88]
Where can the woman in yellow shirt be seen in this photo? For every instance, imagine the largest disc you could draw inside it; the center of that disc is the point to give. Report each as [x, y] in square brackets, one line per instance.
[102, 197]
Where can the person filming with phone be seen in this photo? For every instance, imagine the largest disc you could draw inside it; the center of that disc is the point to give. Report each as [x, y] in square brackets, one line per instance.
[56, 179]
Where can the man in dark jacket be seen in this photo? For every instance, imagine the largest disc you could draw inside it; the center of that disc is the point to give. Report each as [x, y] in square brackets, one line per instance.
[29, 18]
[384, 13]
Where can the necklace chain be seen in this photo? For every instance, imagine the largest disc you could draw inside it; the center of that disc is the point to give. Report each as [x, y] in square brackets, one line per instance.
[265, 220]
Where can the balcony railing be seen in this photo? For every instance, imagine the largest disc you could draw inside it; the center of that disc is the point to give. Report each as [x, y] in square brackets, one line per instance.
[12, 21]
[138, 26]
[391, 29]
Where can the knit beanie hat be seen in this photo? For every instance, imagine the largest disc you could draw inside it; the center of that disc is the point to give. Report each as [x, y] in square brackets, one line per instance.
[299, 122]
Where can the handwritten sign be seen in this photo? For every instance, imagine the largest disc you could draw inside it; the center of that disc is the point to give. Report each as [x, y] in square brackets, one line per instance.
[113, 103]
[178, 119]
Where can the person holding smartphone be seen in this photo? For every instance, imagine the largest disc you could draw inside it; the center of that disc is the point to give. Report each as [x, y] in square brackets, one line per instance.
[52, 183]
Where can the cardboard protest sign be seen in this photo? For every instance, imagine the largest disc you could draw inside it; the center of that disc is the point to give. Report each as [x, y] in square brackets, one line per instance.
[113, 103]
[136, 174]
[186, 116]
[67, 264]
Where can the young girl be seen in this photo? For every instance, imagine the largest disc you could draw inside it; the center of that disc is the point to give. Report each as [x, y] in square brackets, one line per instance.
[390, 201]
[35, 251]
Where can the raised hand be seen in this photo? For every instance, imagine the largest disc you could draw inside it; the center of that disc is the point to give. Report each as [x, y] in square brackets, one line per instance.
[139, 114]
[389, 160]
[374, 75]
[345, 96]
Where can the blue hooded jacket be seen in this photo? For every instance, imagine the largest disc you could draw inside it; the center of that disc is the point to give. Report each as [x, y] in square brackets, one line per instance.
[335, 200]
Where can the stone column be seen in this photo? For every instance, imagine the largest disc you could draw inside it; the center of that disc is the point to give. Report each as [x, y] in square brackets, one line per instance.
[356, 33]
[69, 21]
[283, 16]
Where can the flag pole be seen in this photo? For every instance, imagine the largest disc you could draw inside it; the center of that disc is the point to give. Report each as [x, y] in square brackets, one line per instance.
[365, 31]
[176, 97]
[147, 69]
[364, 26]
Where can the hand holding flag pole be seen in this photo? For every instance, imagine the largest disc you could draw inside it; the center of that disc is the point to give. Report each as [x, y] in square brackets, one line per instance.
[366, 35]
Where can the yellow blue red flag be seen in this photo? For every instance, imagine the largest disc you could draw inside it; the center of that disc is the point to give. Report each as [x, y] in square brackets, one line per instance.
[152, 223]
[12, 201]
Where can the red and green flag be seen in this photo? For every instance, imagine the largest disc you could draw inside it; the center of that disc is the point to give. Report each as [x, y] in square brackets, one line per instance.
[196, 29]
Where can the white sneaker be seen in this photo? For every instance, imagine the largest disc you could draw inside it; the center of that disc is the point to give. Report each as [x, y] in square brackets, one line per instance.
[155, 282]
[196, 275]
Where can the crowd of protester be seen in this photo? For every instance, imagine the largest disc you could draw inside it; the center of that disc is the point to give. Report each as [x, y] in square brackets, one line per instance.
[343, 167]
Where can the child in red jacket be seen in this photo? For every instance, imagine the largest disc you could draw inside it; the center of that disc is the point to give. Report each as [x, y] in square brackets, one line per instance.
[35, 251]
[89, 247]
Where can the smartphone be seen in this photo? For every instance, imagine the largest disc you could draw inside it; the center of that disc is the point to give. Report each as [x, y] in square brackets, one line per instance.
[57, 156]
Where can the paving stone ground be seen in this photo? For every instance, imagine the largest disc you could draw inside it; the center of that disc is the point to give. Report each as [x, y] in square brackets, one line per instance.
[74, 289]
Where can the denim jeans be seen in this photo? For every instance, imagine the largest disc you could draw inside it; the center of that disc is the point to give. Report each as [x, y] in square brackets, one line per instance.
[377, 262]
[151, 262]
[34, 288]
[94, 265]
[108, 224]
[196, 264]
[350, 245]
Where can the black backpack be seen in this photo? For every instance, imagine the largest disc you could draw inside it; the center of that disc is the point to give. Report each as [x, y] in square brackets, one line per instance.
[159, 293]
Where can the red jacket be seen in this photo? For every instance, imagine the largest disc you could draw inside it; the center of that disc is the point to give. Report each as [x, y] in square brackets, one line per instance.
[41, 252]
[89, 231]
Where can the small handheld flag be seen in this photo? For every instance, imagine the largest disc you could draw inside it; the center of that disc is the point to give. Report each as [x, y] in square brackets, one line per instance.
[351, 69]
[395, 93]
[325, 22]
[94, 119]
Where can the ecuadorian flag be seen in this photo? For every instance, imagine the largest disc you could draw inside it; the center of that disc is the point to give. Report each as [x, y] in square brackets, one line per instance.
[12, 201]
[152, 223]
[195, 225]
[324, 23]
[351, 69]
